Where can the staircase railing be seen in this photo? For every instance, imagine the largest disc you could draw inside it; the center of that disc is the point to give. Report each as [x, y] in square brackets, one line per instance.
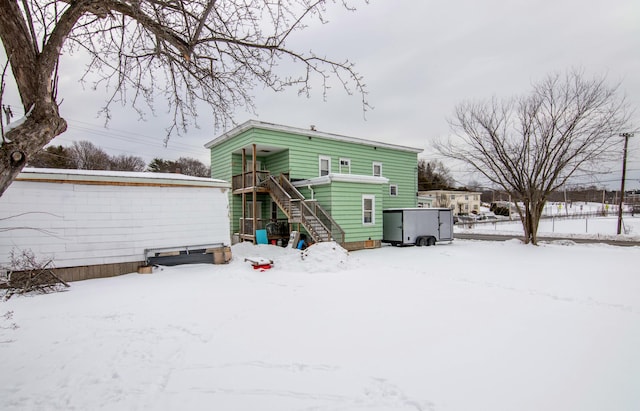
[289, 188]
[310, 210]
[282, 198]
[313, 208]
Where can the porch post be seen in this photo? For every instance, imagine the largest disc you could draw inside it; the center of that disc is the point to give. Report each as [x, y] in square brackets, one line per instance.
[244, 197]
[255, 202]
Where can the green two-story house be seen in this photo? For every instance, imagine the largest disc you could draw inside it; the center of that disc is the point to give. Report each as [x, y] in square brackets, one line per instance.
[326, 186]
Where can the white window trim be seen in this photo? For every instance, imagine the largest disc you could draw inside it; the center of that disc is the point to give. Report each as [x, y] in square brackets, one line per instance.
[373, 168]
[320, 158]
[391, 187]
[348, 166]
[373, 209]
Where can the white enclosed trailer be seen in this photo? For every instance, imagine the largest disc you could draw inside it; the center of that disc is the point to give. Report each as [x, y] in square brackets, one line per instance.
[417, 226]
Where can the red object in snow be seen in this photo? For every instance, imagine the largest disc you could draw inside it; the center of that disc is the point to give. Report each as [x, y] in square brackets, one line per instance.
[259, 263]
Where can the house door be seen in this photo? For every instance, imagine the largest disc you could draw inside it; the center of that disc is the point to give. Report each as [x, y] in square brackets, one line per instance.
[249, 165]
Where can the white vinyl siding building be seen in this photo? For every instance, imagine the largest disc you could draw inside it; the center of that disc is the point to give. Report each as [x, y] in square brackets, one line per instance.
[93, 218]
[461, 202]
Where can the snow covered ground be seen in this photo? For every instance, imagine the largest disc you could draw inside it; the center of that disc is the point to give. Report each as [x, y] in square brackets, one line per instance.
[576, 226]
[461, 326]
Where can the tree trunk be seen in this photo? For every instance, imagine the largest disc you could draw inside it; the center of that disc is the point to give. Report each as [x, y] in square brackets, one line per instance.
[529, 234]
[537, 208]
[33, 72]
[25, 141]
[534, 220]
[531, 221]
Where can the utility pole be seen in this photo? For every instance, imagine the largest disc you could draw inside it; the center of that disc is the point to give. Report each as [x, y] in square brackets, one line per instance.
[624, 173]
[7, 112]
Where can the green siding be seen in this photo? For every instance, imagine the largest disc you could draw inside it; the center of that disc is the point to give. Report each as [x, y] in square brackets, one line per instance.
[277, 163]
[323, 195]
[346, 209]
[344, 202]
[402, 170]
[299, 156]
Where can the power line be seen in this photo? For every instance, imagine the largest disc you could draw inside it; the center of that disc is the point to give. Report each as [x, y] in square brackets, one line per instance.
[125, 135]
[90, 132]
[91, 129]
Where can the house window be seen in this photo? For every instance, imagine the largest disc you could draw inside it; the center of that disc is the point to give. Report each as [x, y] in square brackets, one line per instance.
[393, 190]
[345, 166]
[368, 209]
[324, 164]
[377, 169]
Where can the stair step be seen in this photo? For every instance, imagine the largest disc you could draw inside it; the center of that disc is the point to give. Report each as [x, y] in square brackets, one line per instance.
[294, 211]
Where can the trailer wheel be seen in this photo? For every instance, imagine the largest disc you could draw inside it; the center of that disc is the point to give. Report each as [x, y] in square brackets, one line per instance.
[431, 241]
[422, 241]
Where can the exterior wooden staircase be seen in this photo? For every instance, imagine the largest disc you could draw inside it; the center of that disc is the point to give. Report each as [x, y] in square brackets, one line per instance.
[310, 214]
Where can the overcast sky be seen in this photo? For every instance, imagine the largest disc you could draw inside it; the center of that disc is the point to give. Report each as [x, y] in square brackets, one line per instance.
[419, 58]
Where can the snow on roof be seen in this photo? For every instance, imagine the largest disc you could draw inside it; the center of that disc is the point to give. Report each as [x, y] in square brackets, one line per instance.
[247, 125]
[71, 175]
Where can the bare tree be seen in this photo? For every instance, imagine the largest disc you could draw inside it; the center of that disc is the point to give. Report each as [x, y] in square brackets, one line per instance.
[183, 51]
[193, 167]
[443, 200]
[532, 145]
[86, 156]
[124, 162]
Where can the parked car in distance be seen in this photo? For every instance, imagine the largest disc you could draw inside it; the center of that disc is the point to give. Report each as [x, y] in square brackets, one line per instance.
[465, 218]
[473, 218]
[488, 216]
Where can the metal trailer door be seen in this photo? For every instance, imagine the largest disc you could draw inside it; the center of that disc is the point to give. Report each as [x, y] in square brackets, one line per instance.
[392, 226]
[446, 225]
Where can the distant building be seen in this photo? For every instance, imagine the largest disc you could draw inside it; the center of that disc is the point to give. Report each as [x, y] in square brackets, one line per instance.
[426, 201]
[632, 197]
[461, 202]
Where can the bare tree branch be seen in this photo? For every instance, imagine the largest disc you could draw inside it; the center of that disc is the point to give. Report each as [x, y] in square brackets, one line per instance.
[532, 145]
[141, 51]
